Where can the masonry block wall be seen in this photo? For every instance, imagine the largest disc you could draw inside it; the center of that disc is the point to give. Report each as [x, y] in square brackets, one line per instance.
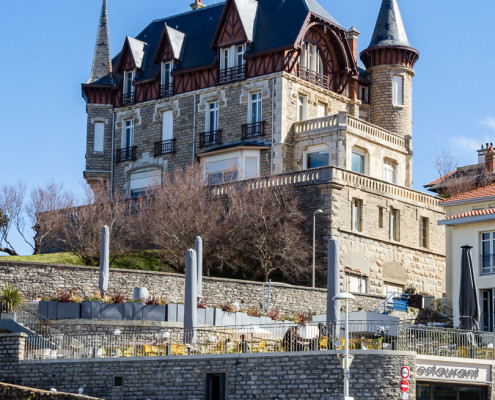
[14, 392]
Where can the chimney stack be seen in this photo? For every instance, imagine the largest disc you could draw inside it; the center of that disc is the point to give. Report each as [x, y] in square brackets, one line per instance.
[490, 159]
[352, 37]
[197, 5]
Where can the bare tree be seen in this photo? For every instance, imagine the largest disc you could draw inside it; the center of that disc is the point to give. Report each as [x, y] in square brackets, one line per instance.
[11, 207]
[445, 163]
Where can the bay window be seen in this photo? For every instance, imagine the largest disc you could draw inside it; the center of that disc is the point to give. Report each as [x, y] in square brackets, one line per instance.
[232, 166]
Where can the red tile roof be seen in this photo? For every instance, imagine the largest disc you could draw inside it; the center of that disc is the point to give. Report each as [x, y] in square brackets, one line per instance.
[485, 191]
[473, 213]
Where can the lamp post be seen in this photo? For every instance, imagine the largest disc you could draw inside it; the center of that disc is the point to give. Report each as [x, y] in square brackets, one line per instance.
[345, 297]
[319, 211]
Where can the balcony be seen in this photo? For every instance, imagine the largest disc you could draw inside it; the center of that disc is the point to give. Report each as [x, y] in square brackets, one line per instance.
[314, 77]
[167, 90]
[254, 129]
[126, 154]
[487, 264]
[164, 147]
[232, 74]
[128, 98]
[210, 138]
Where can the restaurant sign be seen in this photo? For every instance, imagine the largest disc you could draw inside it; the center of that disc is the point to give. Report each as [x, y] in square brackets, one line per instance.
[458, 372]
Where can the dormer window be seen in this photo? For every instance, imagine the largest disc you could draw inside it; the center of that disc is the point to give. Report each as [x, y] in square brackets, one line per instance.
[311, 66]
[128, 97]
[232, 64]
[167, 86]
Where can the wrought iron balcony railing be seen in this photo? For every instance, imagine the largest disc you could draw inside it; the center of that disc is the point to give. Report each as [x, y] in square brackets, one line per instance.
[254, 129]
[164, 147]
[128, 98]
[210, 138]
[313, 77]
[167, 90]
[126, 154]
[232, 74]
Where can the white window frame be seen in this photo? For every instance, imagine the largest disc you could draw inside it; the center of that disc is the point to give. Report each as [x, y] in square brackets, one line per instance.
[398, 90]
[127, 132]
[127, 82]
[230, 56]
[389, 171]
[167, 125]
[164, 73]
[357, 215]
[241, 156]
[302, 107]
[255, 103]
[99, 137]
[315, 149]
[363, 282]
[390, 287]
[310, 58]
[487, 261]
[364, 154]
[147, 183]
[212, 111]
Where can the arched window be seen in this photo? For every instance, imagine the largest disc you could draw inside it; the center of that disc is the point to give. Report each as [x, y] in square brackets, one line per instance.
[310, 58]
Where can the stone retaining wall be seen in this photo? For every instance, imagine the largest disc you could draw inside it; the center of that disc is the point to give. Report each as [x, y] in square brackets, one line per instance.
[13, 392]
[37, 280]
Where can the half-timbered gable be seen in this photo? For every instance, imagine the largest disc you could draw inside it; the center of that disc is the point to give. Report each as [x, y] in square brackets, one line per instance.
[236, 23]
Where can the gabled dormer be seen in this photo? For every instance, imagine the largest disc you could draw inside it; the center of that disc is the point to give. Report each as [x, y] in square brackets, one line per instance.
[168, 52]
[233, 35]
[130, 63]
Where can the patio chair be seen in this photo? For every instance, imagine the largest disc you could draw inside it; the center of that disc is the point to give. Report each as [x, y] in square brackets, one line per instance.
[375, 344]
[484, 354]
[259, 347]
[130, 351]
[323, 343]
[463, 351]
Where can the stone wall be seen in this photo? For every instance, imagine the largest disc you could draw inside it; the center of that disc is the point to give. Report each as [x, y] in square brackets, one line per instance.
[14, 392]
[291, 376]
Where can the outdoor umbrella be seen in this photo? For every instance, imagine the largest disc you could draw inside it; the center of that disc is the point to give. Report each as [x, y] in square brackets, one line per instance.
[468, 294]
[104, 260]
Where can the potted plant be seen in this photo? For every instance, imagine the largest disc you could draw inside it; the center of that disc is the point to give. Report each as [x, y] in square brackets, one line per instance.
[10, 298]
[154, 309]
[69, 305]
[90, 307]
[113, 307]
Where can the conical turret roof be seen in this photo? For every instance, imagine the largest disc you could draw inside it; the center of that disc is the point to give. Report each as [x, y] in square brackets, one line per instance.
[389, 28]
[102, 60]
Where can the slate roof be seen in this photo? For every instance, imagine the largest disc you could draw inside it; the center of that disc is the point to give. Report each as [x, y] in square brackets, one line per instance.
[138, 49]
[275, 25]
[486, 191]
[389, 28]
[176, 40]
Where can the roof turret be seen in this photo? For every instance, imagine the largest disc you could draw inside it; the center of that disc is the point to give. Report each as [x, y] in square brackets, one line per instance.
[389, 28]
[102, 61]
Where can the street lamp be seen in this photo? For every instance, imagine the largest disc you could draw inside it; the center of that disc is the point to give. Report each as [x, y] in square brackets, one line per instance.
[346, 297]
[319, 211]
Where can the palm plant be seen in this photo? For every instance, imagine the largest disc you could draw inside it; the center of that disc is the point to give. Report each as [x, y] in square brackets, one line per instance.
[10, 297]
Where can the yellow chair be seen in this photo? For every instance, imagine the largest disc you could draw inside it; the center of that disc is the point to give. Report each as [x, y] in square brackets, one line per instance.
[177, 349]
[375, 344]
[130, 351]
[484, 353]
[260, 347]
[463, 351]
[323, 343]
[342, 343]
[220, 348]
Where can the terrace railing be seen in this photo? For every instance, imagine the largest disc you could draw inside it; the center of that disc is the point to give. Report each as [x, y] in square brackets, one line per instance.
[314, 77]
[128, 98]
[232, 74]
[254, 129]
[164, 147]
[126, 154]
[210, 138]
[167, 90]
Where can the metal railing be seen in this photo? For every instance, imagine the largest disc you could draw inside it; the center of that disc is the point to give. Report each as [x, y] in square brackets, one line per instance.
[314, 77]
[253, 129]
[126, 154]
[210, 138]
[167, 90]
[128, 98]
[164, 147]
[232, 74]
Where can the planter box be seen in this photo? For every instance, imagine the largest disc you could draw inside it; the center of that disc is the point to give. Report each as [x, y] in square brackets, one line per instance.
[112, 311]
[128, 311]
[206, 316]
[224, 318]
[68, 310]
[47, 309]
[175, 312]
[9, 315]
[154, 313]
[137, 311]
[180, 313]
[90, 309]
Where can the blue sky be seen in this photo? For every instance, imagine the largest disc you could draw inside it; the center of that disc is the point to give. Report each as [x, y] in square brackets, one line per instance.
[47, 49]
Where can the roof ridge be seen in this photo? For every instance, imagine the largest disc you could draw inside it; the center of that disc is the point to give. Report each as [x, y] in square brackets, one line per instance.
[462, 196]
[188, 12]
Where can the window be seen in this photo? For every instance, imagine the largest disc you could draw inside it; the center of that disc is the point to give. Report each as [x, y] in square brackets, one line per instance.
[310, 58]
[487, 251]
[301, 107]
[322, 110]
[394, 224]
[389, 171]
[358, 161]
[380, 217]
[212, 115]
[357, 210]
[255, 108]
[215, 386]
[316, 158]
[391, 288]
[398, 87]
[244, 164]
[232, 56]
[99, 136]
[166, 73]
[128, 79]
[356, 283]
[128, 134]
[425, 222]
[239, 54]
[364, 94]
[167, 125]
[143, 181]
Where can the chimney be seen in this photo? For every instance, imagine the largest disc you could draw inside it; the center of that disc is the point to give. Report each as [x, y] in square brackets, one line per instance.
[352, 36]
[490, 159]
[197, 5]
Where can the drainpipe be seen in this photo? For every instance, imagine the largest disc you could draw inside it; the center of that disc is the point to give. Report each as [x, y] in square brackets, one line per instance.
[111, 167]
[273, 124]
[194, 129]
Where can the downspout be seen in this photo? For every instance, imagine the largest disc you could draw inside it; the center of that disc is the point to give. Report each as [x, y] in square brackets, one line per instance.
[273, 124]
[113, 141]
[194, 129]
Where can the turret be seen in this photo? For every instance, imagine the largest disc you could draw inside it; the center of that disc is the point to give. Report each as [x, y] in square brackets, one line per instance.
[389, 61]
[102, 60]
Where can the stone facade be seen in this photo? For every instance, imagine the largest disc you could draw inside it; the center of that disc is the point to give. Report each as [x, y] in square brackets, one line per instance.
[14, 392]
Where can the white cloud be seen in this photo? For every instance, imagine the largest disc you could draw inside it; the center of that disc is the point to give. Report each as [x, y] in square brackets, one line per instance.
[489, 122]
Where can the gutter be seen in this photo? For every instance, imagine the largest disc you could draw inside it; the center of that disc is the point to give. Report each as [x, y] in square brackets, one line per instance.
[467, 220]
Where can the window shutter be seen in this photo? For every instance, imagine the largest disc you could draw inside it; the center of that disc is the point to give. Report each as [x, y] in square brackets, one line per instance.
[99, 137]
[168, 125]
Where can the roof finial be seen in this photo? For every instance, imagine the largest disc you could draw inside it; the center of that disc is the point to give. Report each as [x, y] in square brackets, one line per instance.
[197, 5]
[102, 60]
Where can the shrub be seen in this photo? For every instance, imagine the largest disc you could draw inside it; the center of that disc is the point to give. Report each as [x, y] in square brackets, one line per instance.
[201, 304]
[275, 315]
[301, 319]
[118, 298]
[253, 312]
[10, 297]
[64, 297]
[228, 307]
